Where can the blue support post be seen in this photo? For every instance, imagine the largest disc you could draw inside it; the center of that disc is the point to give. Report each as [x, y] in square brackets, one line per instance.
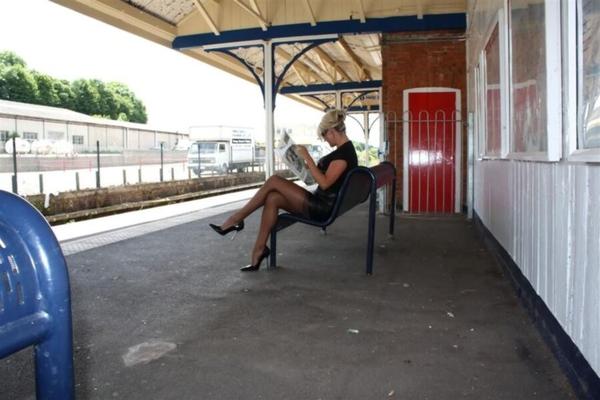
[371, 235]
[393, 205]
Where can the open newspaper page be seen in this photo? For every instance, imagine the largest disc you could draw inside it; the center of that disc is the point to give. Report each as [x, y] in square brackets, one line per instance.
[295, 163]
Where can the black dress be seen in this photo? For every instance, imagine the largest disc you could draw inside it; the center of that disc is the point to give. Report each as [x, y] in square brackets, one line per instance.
[321, 201]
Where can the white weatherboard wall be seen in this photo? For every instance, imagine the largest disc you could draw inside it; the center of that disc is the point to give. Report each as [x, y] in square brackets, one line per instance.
[546, 215]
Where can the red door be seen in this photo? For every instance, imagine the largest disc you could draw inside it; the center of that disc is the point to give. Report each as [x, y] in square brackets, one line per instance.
[432, 121]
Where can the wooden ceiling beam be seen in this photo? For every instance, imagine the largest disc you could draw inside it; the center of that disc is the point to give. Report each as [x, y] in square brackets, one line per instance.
[361, 11]
[327, 58]
[311, 14]
[301, 66]
[355, 59]
[299, 75]
[421, 8]
[256, 14]
[207, 18]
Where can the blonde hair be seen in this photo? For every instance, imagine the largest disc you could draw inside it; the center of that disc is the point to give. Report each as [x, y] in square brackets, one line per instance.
[332, 119]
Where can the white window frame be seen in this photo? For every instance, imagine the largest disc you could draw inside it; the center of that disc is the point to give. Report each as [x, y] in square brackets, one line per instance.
[552, 36]
[573, 69]
[501, 22]
[478, 108]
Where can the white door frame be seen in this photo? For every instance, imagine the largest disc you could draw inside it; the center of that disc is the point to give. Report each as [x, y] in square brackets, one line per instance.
[458, 144]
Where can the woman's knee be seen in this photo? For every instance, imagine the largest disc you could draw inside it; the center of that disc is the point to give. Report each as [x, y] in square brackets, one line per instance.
[273, 200]
[273, 181]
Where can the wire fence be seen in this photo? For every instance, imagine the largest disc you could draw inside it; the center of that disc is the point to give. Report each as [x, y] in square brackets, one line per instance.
[29, 174]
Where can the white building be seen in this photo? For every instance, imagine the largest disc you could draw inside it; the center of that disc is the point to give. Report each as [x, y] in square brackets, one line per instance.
[535, 65]
[34, 122]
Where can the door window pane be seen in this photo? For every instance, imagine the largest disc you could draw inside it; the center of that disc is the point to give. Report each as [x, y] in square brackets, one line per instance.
[589, 77]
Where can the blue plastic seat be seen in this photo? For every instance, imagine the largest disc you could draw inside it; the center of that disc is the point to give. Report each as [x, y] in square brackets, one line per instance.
[35, 300]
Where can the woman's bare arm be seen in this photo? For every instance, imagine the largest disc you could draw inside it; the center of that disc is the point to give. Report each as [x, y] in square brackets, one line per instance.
[325, 180]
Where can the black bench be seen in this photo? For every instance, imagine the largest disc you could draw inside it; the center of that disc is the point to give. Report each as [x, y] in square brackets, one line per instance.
[360, 183]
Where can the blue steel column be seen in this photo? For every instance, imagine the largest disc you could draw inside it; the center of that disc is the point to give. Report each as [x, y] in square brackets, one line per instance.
[269, 120]
[371, 234]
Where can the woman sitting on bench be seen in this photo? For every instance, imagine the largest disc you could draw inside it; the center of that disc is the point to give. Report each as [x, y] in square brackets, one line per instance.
[279, 193]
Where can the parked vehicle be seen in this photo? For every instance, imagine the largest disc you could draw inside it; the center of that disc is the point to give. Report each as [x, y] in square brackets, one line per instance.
[220, 149]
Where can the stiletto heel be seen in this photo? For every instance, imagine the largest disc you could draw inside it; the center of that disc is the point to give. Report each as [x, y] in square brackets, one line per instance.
[266, 253]
[234, 228]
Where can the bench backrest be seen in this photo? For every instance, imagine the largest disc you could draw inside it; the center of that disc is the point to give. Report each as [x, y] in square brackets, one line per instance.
[359, 184]
[35, 303]
[356, 189]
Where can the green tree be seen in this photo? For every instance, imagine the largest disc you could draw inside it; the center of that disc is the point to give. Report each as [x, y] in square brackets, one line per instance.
[17, 84]
[86, 97]
[108, 101]
[128, 103]
[139, 112]
[47, 93]
[8, 58]
[65, 94]
[111, 100]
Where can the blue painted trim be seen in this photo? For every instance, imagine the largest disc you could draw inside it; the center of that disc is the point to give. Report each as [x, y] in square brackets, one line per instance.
[248, 67]
[362, 108]
[331, 87]
[360, 96]
[372, 25]
[583, 378]
[327, 107]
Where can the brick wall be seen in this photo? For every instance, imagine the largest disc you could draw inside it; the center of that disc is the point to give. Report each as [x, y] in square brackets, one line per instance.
[418, 59]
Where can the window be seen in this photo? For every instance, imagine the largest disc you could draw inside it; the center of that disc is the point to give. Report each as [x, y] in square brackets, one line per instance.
[588, 38]
[582, 77]
[30, 136]
[492, 99]
[528, 77]
[535, 91]
[56, 135]
[222, 147]
[77, 139]
[3, 136]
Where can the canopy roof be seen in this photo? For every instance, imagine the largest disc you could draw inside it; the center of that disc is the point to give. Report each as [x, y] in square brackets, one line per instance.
[322, 46]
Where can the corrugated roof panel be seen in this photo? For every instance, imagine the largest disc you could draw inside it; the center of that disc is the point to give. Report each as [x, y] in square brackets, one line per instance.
[171, 11]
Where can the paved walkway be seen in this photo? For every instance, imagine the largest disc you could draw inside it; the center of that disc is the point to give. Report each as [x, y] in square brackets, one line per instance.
[161, 312]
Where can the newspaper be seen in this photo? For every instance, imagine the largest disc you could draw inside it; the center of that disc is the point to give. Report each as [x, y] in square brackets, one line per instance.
[287, 153]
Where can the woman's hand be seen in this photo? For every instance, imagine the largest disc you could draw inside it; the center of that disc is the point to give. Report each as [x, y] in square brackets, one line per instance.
[302, 152]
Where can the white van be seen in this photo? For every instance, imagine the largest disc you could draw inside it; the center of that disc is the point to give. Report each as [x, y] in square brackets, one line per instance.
[220, 149]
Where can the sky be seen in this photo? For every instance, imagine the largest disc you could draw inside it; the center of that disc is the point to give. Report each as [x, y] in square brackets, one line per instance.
[178, 91]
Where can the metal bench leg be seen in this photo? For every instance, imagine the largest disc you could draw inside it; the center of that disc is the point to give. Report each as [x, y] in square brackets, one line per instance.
[393, 208]
[371, 235]
[54, 358]
[273, 258]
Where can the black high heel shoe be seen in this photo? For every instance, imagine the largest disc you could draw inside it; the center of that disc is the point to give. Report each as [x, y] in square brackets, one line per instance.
[238, 227]
[266, 253]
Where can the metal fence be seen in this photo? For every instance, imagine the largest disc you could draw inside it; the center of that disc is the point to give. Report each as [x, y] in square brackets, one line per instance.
[426, 146]
[28, 174]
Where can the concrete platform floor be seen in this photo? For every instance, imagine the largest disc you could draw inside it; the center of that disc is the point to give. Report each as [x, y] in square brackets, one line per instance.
[437, 320]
